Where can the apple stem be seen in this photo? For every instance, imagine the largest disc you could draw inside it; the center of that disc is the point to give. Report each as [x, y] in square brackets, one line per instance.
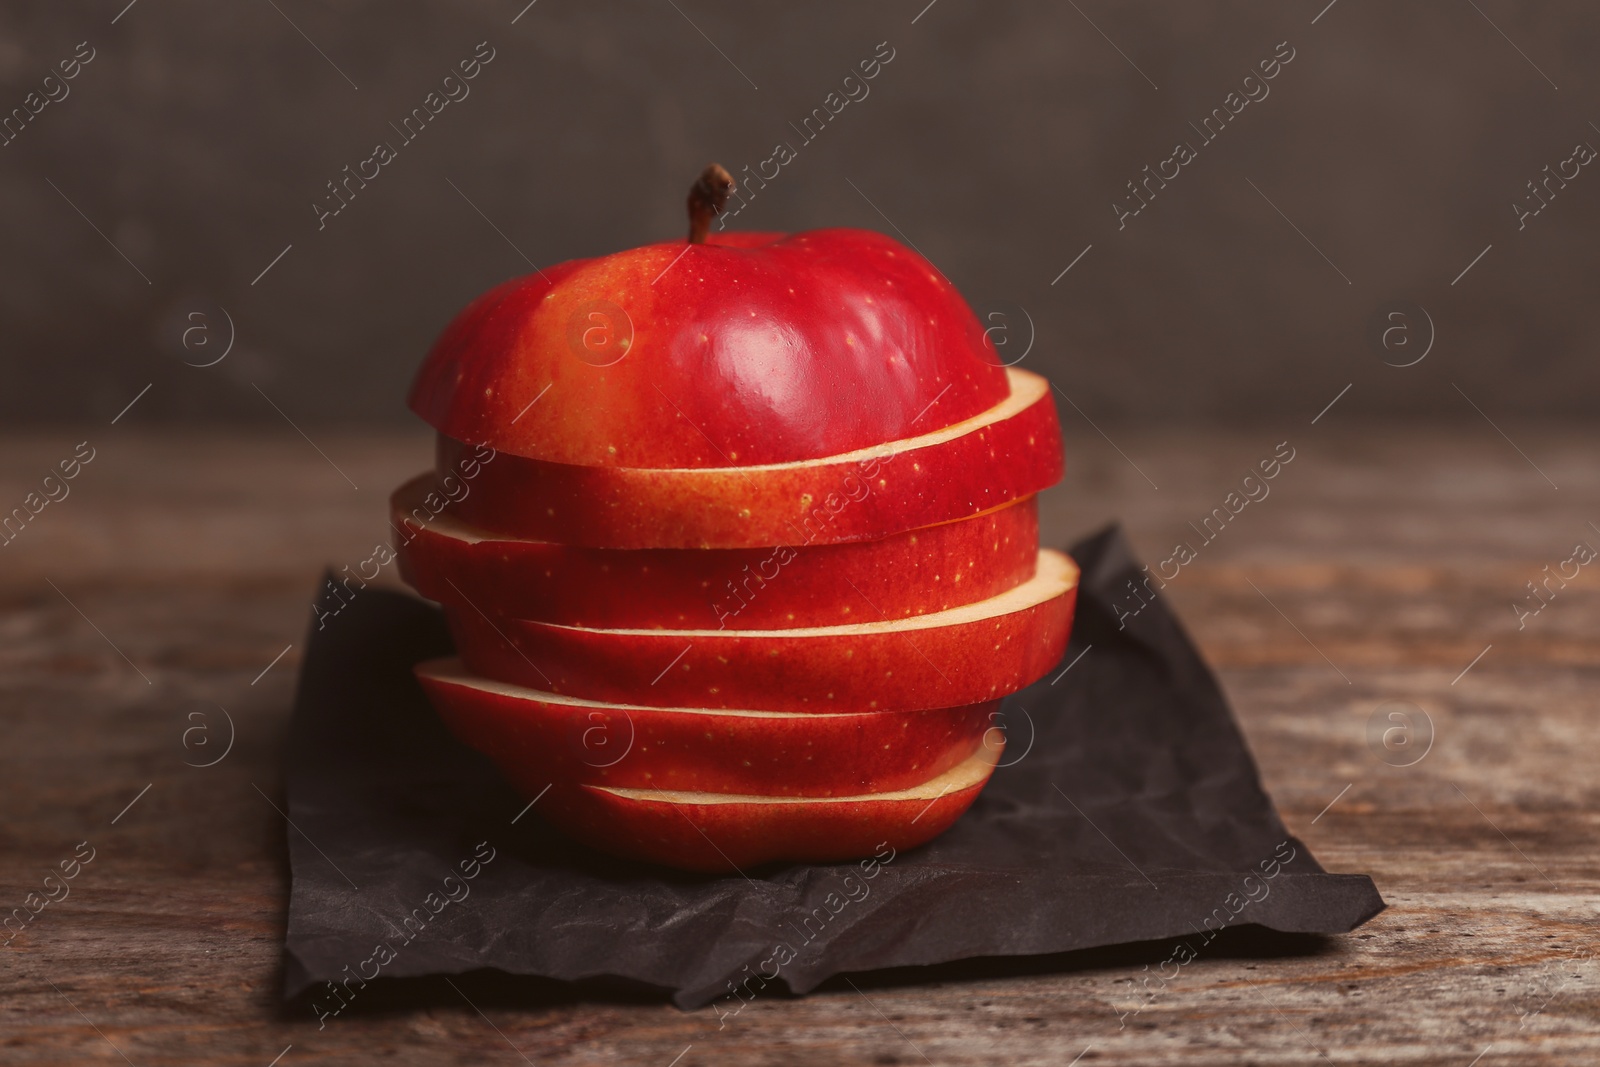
[707, 198]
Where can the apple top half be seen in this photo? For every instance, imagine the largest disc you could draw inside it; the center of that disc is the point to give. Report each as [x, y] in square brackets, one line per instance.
[750, 348]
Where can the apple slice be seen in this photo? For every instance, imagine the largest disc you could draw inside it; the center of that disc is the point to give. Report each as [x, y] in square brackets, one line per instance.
[913, 573]
[1008, 452]
[747, 348]
[965, 655]
[731, 832]
[762, 753]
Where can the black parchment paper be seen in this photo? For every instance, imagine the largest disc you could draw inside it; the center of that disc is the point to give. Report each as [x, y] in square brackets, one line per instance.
[1131, 811]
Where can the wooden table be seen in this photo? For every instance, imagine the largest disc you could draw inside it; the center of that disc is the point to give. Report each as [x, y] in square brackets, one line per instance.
[1384, 564]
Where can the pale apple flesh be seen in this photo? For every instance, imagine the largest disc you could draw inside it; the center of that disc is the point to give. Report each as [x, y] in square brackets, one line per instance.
[914, 573]
[734, 833]
[760, 753]
[965, 655]
[1002, 455]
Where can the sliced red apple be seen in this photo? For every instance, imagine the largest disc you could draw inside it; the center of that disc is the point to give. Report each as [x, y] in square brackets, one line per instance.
[729, 832]
[1004, 454]
[913, 573]
[762, 753]
[968, 654]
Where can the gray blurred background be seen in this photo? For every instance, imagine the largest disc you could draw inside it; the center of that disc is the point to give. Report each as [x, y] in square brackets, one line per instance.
[186, 156]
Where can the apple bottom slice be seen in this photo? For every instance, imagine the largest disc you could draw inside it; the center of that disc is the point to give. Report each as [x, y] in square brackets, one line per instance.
[728, 832]
[798, 584]
[762, 753]
[1011, 451]
[965, 655]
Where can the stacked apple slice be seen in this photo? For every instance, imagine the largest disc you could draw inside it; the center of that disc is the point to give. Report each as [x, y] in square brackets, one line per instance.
[738, 543]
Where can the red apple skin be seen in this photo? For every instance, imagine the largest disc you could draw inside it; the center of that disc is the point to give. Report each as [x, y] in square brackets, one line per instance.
[791, 670]
[684, 749]
[750, 348]
[735, 838]
[913, 573]
[835, 500]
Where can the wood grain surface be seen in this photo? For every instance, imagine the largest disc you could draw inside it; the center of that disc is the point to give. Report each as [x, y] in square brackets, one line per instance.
[1382, 567]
